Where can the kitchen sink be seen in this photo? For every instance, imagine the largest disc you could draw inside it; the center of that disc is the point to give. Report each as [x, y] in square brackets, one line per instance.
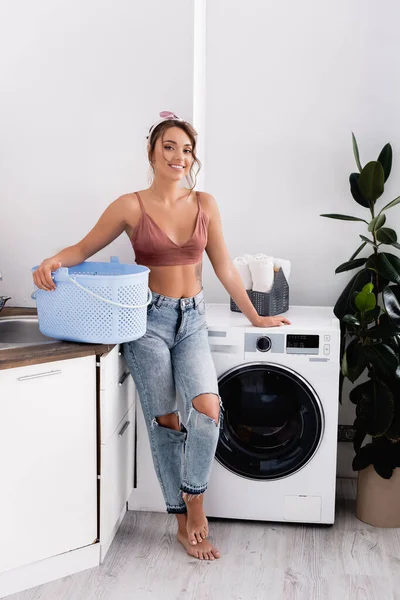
[16, 332]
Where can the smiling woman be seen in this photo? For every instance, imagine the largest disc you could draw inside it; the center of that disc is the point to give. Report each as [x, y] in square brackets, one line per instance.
[167, 233]
[169, 227]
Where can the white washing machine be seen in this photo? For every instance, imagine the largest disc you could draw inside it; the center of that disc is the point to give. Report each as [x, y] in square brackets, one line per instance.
[276, 456]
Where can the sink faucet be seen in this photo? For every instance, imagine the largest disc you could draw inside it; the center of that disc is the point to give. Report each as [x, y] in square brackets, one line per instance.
[3, 299]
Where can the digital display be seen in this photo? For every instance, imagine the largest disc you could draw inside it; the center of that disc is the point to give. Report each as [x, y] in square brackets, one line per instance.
[302, 341]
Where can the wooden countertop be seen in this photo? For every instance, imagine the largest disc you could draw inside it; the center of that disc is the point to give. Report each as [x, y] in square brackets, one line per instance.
[33, 355]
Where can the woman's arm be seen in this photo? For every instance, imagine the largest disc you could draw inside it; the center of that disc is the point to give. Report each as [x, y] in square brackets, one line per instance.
[226, 271]
[110, 225]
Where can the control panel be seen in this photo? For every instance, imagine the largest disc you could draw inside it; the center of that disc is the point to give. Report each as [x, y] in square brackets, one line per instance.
[291, 343]
[302, 344]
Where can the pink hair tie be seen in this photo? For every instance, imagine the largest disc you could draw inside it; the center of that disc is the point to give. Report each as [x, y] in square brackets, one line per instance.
[165, 115]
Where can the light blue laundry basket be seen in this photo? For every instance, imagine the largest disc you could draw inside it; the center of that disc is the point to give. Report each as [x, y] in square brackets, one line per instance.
[95, 302]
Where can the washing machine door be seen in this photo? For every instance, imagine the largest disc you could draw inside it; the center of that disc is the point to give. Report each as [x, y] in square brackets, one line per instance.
[272, 421]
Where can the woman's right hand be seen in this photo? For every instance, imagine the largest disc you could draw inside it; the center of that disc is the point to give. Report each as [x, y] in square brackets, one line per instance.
[42, 275]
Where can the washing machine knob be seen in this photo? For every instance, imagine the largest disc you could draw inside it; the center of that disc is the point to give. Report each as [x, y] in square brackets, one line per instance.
[263, 343]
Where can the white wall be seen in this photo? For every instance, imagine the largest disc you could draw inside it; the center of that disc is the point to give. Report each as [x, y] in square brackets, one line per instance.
[287, 82]
[81, 84]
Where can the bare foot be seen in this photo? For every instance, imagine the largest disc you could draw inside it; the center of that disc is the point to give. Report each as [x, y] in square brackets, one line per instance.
[203, 550]
[196, 523]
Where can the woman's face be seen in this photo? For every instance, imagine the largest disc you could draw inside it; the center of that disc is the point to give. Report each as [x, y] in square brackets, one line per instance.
[172, 156]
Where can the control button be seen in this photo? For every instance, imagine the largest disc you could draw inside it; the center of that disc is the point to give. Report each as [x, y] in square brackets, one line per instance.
[327, 338]
[327, 348]
[263, 343]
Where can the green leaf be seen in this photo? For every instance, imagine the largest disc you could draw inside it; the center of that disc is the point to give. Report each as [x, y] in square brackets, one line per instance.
[372, 315]
[381, 331]
[386, 235]
[352, 320]
[368, 288]
[377, 222]
[351, 264]
[343, 303]
[371, 181]
[358, 250]
[392, 203]
[392, 304]
[374, 406]
[395, 245]
[343, 217]
[393, 433]
[356, 153]
[387, 330]
[367, 240]
[359, 437]
[355, 190]
[354, 361]
[382, 357]
[388, 265]
[383, 468]
[365, 301]
[385, 158]
[363, 458]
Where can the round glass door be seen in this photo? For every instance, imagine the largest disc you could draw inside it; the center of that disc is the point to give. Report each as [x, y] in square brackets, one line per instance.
[272, 421]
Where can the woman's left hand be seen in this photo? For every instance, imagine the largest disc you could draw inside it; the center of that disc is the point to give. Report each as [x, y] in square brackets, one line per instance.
[277, 321]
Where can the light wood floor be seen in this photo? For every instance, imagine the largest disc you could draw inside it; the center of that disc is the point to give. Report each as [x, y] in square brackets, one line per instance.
[260, 561]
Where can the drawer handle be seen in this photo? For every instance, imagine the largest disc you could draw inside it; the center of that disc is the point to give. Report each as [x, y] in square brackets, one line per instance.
[36, 375]
[124, 428]
[123, 378]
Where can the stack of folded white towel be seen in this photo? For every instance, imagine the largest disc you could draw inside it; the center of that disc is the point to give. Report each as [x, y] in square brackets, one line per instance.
[257, 271]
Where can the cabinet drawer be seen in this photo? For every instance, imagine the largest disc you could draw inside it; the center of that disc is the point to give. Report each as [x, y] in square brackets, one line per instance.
[112, 365]
[116, 480]
[114, 403]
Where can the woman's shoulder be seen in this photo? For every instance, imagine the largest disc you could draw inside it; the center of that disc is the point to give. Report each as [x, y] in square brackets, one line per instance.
[208, 203]
[206, 197]
[129, 201]
[128, 206]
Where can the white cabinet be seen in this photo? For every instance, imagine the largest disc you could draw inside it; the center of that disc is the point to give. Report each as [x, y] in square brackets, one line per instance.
[117, 448]
[48, 460]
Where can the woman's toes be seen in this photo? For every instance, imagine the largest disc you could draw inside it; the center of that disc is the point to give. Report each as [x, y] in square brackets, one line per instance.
[198, 537]
[192, 540]
[201, 556]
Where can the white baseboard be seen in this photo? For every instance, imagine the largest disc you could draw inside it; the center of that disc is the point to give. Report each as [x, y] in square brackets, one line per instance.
[49, 569]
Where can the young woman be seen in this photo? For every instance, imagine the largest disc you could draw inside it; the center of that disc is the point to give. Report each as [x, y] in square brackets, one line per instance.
[169, 227]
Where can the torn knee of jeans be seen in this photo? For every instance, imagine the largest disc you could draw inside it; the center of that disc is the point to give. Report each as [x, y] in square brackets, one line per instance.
[169, 421]
[209, 412]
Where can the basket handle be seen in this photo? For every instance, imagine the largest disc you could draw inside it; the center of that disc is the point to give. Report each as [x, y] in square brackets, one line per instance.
[149, 296]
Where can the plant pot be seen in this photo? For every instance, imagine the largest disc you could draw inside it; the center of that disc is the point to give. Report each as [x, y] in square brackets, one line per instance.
[378, 499]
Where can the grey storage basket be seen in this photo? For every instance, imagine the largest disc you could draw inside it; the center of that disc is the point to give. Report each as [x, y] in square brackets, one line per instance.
[268, 304]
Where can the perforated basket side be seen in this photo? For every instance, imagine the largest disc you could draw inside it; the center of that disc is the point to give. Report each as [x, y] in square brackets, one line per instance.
[268, 304]
[70, 313]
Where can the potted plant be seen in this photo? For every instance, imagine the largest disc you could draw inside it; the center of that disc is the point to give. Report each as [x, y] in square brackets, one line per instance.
[369, 313]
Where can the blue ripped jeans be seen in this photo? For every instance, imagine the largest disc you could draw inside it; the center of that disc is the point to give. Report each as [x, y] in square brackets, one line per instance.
[174, 354]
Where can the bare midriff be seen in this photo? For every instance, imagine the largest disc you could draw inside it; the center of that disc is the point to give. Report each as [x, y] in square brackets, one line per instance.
[178, 281]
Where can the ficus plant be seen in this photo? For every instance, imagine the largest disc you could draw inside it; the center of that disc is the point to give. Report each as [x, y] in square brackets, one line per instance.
[369, 313]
